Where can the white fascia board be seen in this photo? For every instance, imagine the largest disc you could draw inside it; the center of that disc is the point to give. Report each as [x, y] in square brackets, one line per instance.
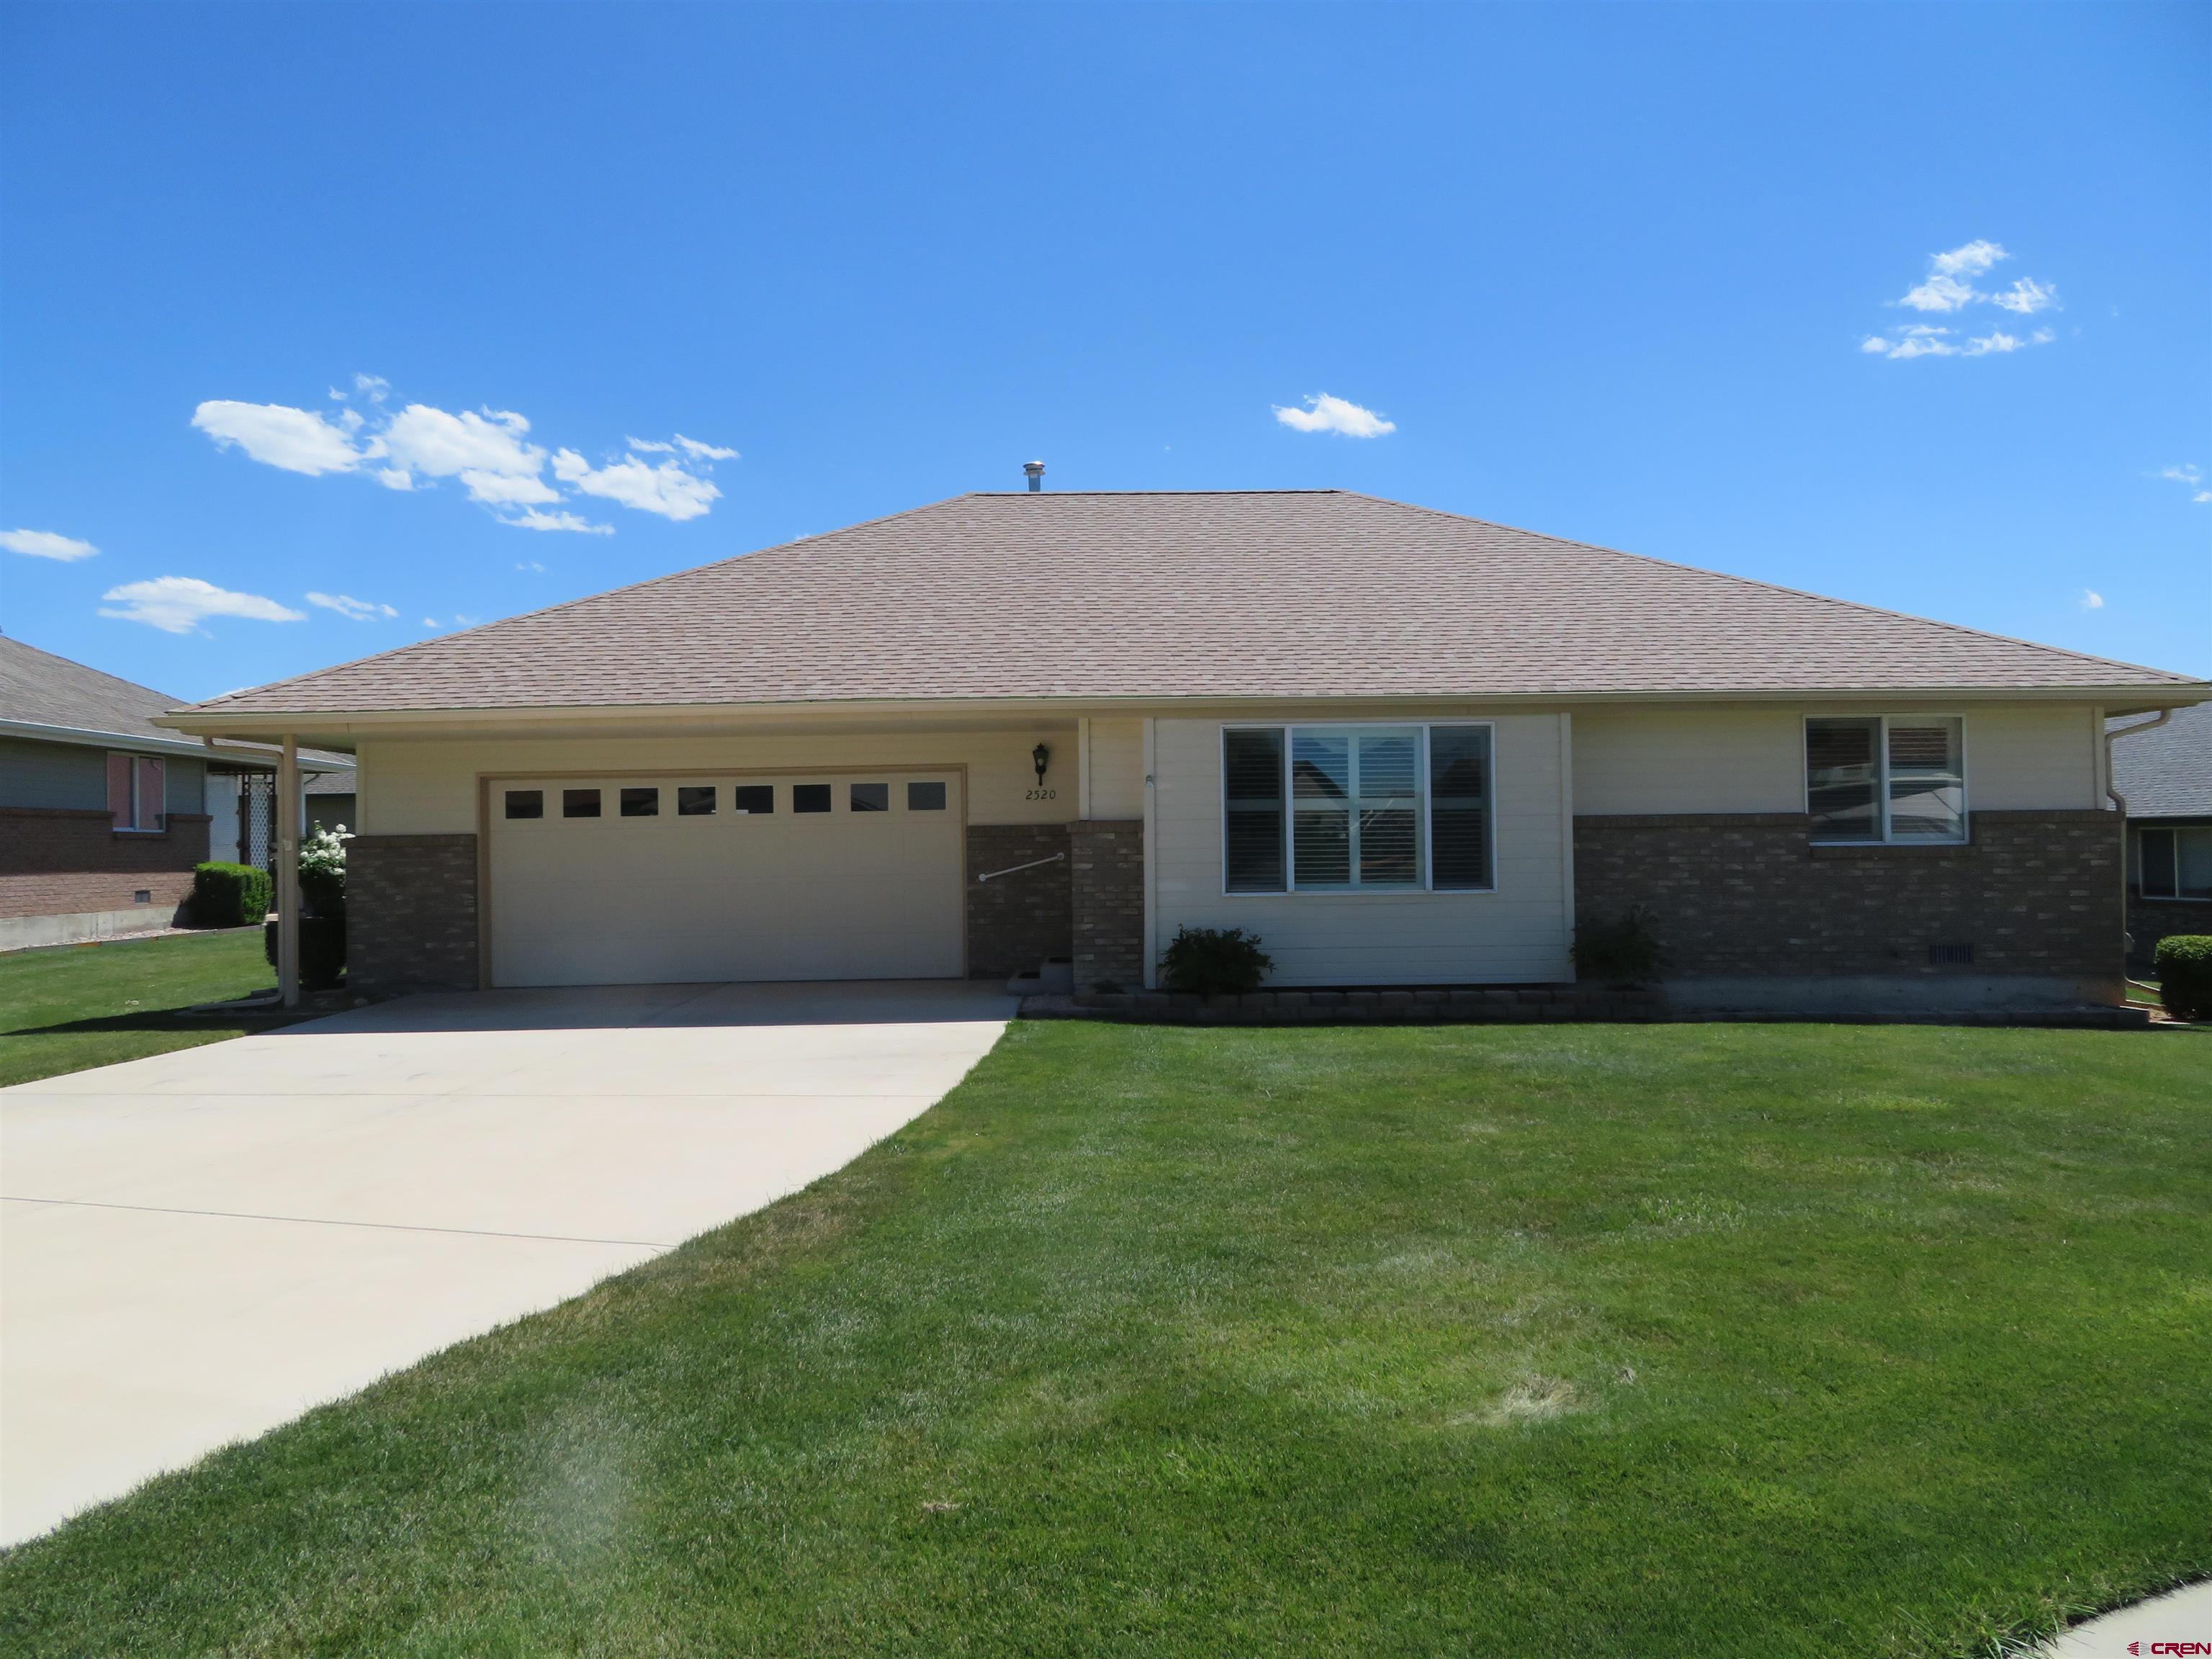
[142, 743]
[324, 726]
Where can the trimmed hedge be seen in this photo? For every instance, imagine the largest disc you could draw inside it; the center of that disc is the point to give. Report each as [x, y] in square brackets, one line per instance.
[229, 895]
[2185, 975]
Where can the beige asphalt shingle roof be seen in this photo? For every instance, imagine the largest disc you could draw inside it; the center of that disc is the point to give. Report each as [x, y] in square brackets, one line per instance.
[1292, 593]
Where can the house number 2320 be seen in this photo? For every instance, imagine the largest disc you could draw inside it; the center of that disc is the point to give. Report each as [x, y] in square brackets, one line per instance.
[1042, 794]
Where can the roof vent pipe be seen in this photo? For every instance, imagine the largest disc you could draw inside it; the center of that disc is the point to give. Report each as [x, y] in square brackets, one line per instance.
[1034, 471]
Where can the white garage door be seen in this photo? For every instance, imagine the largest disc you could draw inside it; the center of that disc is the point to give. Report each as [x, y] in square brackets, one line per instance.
[642, 881]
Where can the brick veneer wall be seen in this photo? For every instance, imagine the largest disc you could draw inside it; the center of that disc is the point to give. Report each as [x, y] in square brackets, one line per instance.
[411, 914]
[1016, 921]
[62, 861]
[1733, 894]
[1106, 875]
[2151, 919]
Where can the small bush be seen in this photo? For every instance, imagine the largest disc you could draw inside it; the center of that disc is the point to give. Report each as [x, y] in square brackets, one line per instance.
[229, 895]
[322, 949]
[1622, 951]
[2185, 975]
[1214, 962]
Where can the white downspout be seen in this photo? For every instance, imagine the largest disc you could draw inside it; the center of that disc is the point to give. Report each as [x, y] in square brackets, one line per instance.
[2120, 801]
[2120, 806]
[1150, 978]
[287, 873]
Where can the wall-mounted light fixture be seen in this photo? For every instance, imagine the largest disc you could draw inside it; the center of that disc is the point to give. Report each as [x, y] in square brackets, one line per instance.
[1041, 757]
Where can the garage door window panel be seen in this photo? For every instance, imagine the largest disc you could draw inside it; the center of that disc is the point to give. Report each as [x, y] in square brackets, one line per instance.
[871, 798]
[810, 797]
[754, 799]
[526, 803]
[580, 803]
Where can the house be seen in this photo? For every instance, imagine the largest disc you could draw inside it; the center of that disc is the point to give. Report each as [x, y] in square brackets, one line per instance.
[1404, 747]
[103, 814]
[2163, 772]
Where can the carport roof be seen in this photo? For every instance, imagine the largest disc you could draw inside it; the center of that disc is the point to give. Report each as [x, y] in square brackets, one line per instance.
[1236, 594]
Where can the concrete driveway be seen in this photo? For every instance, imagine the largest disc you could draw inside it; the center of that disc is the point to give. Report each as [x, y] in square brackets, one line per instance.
[200, 1246]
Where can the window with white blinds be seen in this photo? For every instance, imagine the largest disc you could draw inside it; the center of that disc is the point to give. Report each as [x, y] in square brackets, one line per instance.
[1886, 778]
[1356, 809]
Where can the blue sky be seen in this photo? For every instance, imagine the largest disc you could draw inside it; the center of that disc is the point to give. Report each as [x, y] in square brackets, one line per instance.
[1610, 273]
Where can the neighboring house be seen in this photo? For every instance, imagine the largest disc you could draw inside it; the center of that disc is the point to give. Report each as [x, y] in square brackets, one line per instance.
[103, 814]
[329, 800]
[2164, 774]
[1405, 748]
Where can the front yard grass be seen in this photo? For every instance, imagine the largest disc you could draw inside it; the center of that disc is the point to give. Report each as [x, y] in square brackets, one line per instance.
[1674, 1340]
[65, 1007]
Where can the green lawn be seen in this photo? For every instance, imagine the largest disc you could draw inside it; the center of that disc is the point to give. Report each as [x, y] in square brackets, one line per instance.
[70, 1007]
[1677, 1340]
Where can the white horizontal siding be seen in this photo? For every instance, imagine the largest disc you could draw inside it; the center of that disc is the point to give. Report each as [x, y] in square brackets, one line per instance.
[1752, 760]
[1117, 769]
[1518, 933]
[1689, 760]
[2031, 756]
[411, 786]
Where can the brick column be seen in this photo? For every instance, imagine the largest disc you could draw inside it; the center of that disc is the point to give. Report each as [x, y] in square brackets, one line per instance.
[1016, 921]
[411, 914]
[1106, 865]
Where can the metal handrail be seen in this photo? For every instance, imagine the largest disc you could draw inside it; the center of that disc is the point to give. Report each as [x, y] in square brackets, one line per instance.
[993, 875]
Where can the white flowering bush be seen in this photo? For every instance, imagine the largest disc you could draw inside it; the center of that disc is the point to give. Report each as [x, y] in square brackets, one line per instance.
[322, 855]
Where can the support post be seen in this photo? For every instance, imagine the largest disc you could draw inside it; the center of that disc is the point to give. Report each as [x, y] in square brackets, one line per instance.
[287, 873]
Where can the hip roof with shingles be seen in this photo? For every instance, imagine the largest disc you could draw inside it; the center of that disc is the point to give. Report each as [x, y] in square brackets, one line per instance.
[1260, 594]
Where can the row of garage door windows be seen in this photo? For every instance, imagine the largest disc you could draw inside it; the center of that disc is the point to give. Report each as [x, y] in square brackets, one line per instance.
[698, 800]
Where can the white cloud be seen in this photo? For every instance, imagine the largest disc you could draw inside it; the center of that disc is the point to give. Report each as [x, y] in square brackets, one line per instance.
[178, 605]
[346, 605]
[277, 435]
[2190, 475]
[1941, 293]
[666, 489]
[46, 544]
[2026, 297]
[532, 518]
[2092, 599]
[1970, 260]
[507, 489]
[531, 564]
[1323, 413]
[1950, 287]
[488, 450]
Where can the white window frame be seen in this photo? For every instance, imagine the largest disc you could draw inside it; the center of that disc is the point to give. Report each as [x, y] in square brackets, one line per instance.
[1882, 783]
[2135, 866]
[1426, 884]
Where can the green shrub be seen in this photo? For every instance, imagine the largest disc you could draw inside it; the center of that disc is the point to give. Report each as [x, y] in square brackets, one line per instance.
[2185, 975]
[1214, 962]
[1621, 952]
[229, 895]
[322, 949]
